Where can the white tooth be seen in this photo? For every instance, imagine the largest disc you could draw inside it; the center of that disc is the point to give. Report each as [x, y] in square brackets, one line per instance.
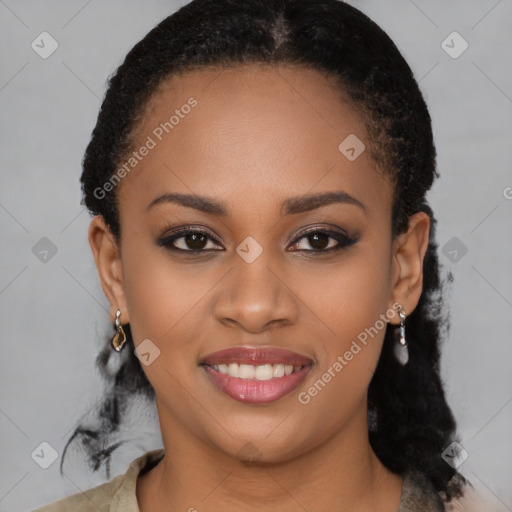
[246, 371]
[260, 372]
[215, 367]
[223, 368]
[278, 370]
[233, 370]
[264, 372]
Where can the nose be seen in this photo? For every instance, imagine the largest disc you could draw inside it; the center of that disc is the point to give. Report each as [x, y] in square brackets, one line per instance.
[257, 296]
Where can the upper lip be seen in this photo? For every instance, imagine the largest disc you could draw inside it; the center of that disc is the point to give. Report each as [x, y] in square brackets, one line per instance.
[256, 356]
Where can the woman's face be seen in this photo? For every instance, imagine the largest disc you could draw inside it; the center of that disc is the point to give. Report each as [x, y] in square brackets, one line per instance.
[255, 153]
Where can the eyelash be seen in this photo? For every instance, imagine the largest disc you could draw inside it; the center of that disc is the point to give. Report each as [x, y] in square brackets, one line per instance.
[343, 240]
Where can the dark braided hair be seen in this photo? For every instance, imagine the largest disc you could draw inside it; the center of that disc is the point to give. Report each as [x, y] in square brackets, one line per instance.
[411, 423]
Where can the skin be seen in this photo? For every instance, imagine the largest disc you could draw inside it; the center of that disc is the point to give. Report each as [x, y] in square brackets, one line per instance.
[258, 136]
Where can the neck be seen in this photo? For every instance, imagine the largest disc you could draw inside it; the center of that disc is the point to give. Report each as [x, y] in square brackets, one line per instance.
[343, 473]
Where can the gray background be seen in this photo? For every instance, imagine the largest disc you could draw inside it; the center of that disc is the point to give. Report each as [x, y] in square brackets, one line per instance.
[53, 314]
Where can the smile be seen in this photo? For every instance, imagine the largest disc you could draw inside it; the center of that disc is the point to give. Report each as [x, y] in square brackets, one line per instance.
[256, 375]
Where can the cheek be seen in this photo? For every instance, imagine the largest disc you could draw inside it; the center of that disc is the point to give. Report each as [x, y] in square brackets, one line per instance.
[352, 294]
[158, 294]
[352, 300]
[164, 305]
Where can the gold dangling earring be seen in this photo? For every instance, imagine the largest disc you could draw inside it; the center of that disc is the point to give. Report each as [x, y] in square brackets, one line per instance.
[400, 349]
[119, 338]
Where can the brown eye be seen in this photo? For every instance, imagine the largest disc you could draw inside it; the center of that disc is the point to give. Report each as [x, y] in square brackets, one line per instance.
[189, 240]
[195, 241]
[323, 241]
[319, 241]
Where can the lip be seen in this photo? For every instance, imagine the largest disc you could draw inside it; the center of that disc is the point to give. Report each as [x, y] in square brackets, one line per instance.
[253, 391]
[256, 356]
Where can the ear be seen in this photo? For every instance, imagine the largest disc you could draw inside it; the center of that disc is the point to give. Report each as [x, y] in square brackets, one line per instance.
[408, 254]
[108, 263]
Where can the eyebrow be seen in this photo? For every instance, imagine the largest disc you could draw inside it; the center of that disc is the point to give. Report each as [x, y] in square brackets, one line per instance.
[290, 206]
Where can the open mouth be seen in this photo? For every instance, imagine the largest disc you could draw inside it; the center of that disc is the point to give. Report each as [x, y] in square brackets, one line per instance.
[256, 375]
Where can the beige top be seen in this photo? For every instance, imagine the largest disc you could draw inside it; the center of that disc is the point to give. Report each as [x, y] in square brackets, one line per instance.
[119, 494]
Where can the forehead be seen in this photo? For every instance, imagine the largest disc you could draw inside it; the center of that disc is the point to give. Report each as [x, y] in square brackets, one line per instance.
[256, 128]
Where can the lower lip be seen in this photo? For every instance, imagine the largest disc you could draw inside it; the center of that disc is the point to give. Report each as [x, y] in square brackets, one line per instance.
[253, 391]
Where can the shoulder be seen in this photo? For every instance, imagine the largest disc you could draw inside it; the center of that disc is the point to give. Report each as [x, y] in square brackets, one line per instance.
[114, 496]
[95, 499]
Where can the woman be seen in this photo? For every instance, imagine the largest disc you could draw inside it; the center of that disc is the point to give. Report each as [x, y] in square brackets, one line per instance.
[258, 175]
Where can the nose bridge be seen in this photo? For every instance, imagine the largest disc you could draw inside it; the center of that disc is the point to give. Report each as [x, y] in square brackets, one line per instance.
[253, 296]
